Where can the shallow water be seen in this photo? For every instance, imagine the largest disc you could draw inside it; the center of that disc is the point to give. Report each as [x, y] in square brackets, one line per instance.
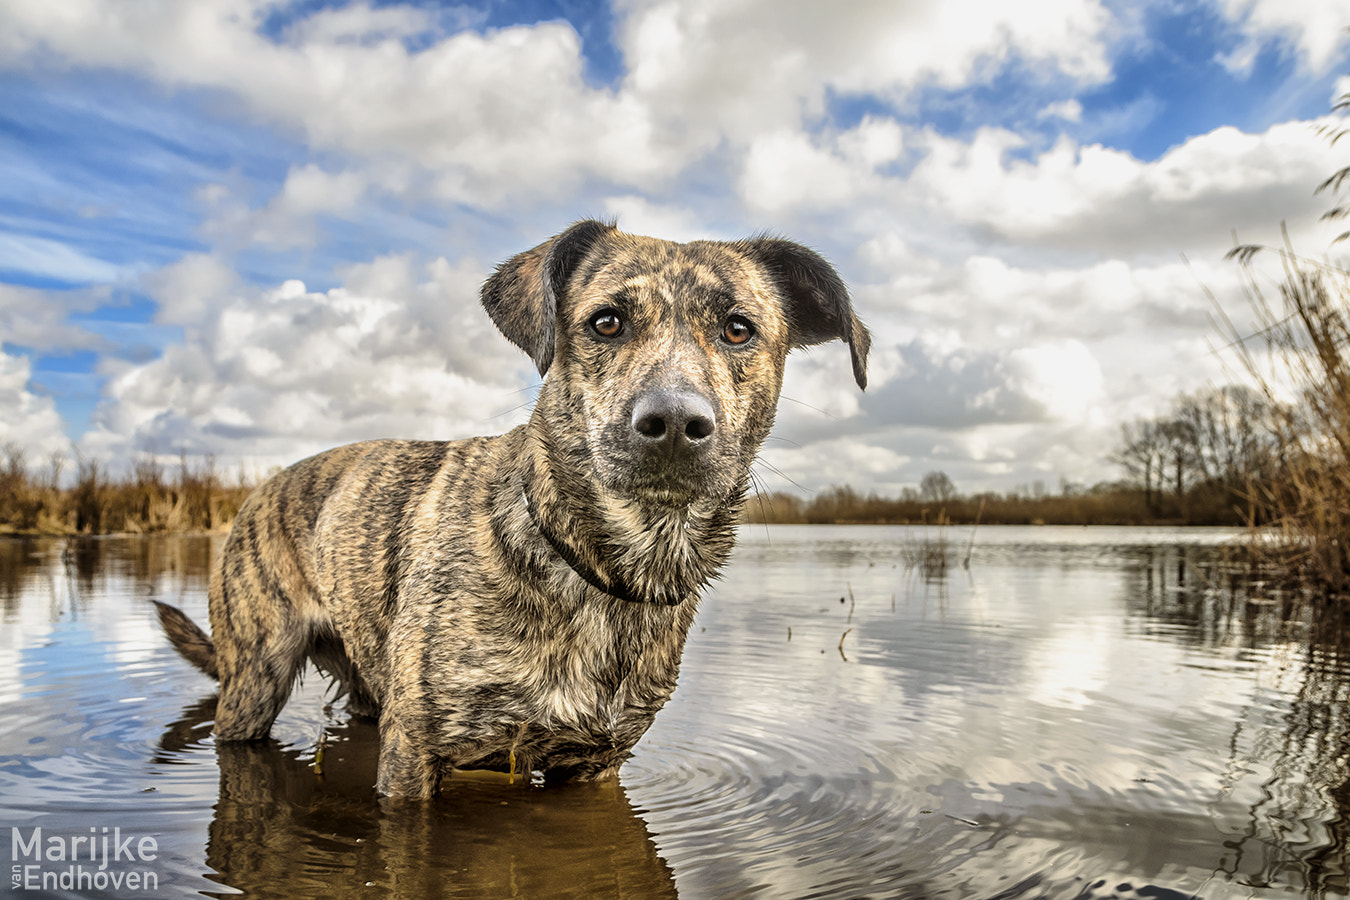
[1080, 712]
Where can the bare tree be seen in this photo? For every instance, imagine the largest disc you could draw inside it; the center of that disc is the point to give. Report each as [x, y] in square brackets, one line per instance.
[1142, 455]
[1231, 433]
[936, 487]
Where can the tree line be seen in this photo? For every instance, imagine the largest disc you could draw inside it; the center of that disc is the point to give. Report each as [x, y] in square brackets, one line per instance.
[1206, 461]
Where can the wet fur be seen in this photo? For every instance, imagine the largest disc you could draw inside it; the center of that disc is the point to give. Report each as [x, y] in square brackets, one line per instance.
[527, 594]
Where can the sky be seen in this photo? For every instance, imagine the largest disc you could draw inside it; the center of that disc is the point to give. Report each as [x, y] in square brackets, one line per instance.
[249, 231]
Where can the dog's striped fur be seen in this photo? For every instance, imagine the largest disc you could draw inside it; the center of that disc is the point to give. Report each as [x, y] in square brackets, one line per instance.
[529, 594]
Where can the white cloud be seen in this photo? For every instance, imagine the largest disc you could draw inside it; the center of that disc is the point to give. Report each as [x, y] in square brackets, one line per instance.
[824, 463]
[1315, 29]
[492, 115]
[755, 66]
[1069, 110]
[287, 221]
[784, 169]
[190, 288]
[36, 257]
[793, 171]
[265, 377]
[31, 317]
[637, 214]
[999, 373]
[1091, 196]
[361, 24]
[1063, 377]
[27, 420]
[987, 194]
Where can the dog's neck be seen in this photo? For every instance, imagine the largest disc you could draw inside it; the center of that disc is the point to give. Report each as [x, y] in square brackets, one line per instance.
[616, 586]
[627, 548]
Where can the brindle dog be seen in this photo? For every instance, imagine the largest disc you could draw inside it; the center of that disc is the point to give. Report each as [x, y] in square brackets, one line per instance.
[526, 597]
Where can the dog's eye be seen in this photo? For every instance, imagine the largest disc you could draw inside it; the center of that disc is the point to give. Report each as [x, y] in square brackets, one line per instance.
[607, 323]
[737, 330]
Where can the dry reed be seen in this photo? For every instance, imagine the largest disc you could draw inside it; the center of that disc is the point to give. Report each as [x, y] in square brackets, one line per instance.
[145, 500]
[1298, 358]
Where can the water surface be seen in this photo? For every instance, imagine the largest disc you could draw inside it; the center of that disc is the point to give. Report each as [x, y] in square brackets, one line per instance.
[1080, 712]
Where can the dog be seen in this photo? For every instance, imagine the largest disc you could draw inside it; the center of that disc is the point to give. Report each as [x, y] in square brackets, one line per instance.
[523, 600]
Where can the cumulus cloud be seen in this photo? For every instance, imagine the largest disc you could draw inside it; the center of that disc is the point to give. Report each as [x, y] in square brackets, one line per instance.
[991, 371]
[791, 170]
[754, 66]
[506, 113]
[265, 376]
[27, 420]
[1092, 196]
[39, 319]
[988, 194]
[188, 290]
[1063, 377]
[838, 461]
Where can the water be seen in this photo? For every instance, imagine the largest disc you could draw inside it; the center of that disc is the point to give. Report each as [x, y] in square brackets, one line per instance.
[1082, 712]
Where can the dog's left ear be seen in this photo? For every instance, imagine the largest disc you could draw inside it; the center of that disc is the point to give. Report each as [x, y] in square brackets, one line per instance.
[522, 295]
[818, 307]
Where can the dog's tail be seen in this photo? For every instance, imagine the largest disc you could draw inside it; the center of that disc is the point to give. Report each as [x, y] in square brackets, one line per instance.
[190, 641]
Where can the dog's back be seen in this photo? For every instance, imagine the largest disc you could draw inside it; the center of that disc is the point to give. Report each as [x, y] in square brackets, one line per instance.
[316, 546]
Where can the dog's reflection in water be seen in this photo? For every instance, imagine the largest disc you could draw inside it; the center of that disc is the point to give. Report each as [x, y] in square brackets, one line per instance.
[283, 829]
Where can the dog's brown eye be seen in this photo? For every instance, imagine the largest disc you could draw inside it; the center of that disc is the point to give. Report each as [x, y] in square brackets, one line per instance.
[607, 323]
[737, 330]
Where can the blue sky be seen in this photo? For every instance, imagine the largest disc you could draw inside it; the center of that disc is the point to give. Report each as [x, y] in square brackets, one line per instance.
[254, 229]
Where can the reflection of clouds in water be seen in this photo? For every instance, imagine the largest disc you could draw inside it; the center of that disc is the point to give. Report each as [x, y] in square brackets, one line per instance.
[1069, 664]
[1061, 713]
[1023, 697]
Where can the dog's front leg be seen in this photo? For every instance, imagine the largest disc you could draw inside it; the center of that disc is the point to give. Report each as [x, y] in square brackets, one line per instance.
[407, 769]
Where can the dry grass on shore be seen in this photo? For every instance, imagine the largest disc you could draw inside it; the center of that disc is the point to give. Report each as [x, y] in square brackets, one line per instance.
[146, 500]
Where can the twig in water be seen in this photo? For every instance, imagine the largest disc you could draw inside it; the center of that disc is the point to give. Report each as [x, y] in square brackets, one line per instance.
[841, 643]
[318, 752]
[970, 545]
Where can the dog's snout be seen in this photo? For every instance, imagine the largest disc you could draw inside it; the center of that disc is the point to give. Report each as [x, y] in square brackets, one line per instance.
[679, 419]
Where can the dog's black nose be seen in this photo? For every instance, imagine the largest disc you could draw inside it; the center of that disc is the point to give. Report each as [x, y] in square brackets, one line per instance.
[674, 418]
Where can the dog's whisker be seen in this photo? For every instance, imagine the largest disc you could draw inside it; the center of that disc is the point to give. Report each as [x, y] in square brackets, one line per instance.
[506, 412]
[759, 498]
[824, 413]
[781, 474]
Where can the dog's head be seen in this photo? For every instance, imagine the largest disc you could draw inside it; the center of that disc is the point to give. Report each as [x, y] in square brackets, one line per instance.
[664, 360]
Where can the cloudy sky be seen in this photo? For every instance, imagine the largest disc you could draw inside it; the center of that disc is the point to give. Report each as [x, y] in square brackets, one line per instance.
[256, 229]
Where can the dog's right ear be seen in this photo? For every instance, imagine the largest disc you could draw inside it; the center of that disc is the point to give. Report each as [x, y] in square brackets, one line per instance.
[522, 295]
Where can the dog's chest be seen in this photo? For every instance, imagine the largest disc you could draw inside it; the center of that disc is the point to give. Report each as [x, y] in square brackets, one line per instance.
[587, 670]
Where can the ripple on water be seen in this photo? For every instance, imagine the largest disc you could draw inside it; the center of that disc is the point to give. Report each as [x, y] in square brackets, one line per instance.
[1038, 728]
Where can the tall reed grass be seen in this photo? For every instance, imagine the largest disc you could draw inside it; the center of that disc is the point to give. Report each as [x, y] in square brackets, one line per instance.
[145, 500]
[1298, 358]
